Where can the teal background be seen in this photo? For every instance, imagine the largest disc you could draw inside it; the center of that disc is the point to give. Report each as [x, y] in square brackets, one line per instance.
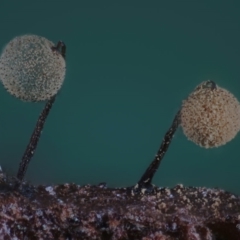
[129, 66]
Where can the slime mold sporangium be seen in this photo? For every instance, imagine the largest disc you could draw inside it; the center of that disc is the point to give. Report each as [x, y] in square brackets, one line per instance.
[210, 116]
[33, 69]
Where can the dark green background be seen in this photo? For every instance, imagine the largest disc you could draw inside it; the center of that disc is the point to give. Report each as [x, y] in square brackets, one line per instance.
[129, 66]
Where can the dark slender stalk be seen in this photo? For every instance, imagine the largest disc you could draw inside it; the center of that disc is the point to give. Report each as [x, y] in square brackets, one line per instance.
[146, 178]
[27, 156]
[31, 147]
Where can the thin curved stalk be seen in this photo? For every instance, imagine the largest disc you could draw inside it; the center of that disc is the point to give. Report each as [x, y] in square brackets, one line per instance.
[146, 179]
[31, 147]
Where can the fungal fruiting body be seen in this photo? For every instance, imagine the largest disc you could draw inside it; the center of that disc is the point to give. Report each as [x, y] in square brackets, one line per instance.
[33, 69]
[210, 116]
[30, 69]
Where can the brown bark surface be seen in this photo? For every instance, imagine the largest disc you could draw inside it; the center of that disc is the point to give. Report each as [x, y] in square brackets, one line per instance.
[70, 211]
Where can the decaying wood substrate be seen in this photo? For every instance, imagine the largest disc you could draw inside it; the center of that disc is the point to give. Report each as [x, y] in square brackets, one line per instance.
[70, 211]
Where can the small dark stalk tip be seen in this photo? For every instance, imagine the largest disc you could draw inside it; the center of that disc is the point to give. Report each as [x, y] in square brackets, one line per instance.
[211, 84]
[61, 48]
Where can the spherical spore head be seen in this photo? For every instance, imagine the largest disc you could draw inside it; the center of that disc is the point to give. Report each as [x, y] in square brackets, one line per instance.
[30, 69]
[210, 116]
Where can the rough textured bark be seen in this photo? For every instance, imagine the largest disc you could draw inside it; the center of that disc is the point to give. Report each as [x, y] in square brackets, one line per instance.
[70, 211]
